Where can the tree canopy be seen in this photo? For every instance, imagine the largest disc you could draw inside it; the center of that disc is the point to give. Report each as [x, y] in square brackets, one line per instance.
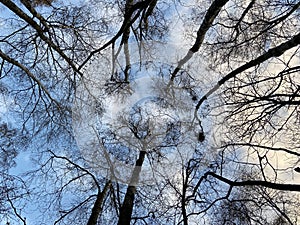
[149, 112]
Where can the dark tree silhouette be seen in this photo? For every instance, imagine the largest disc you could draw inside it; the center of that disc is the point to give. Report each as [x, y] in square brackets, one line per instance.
[226, 116]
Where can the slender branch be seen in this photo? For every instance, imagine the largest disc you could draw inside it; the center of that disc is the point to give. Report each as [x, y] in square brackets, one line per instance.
[127, 22]
[263, 147]
[15, 210]
[77, 166]
[14, 8]
[66, 213]
[29, 6]
[27, 71]
[274, 52]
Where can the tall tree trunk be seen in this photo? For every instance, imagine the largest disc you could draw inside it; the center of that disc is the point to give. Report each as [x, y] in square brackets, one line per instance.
[97, 208]
[128, 203]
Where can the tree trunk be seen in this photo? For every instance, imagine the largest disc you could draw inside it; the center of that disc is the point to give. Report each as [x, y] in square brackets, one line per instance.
[97, 208]
[127, 206]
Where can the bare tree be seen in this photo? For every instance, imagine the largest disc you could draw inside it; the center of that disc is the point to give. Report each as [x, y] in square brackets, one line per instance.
[243, 111]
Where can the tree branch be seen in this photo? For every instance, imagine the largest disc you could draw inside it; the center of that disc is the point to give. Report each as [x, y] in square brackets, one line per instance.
[267, 184]
[27, 71]
[127, 22]
[263, 147]
[274, 52]
[14, 8]
[209, 17]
